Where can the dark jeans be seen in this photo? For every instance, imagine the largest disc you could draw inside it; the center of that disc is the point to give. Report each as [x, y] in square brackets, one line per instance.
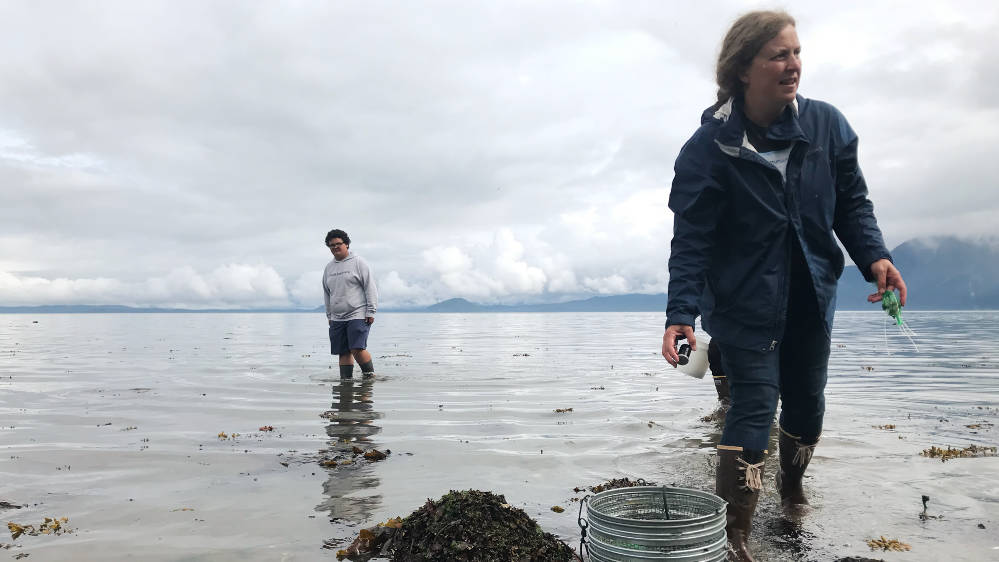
[795, 371]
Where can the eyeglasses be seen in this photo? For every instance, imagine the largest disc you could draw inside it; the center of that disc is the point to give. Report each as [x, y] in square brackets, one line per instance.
[335, 245]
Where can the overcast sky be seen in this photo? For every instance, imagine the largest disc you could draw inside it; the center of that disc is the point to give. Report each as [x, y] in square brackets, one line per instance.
[195, 153]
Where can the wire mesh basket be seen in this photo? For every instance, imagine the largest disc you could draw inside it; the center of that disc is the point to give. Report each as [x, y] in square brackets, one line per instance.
[654, 523]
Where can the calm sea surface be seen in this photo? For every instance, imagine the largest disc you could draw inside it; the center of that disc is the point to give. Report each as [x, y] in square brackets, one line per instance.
[114, 421]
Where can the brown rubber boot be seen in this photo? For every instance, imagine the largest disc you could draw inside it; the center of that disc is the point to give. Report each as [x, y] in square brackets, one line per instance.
[794, 459]
[737, 481]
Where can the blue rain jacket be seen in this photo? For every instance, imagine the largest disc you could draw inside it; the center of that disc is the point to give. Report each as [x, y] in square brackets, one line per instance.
[736, 219]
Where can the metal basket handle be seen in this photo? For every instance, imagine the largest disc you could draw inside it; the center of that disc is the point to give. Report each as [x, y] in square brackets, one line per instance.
[583, 524]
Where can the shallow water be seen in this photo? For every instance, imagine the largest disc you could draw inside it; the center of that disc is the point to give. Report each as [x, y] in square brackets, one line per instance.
[113, 421]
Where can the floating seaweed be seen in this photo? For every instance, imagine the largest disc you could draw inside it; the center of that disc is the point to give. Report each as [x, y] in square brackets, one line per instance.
[613, 485]
[888, 426]
[562, 410]
[374, 455]
[950, 453]
[394, 523]
[49, 526]
[881, 543]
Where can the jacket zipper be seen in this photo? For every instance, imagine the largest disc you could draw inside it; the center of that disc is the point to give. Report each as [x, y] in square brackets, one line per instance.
[782, 308]
[789, 204]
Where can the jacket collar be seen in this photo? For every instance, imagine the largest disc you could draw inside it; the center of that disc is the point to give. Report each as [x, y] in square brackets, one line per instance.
[732, 133]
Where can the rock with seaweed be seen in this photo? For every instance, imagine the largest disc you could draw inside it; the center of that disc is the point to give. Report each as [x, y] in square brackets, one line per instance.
[472, 525]
[462, 526]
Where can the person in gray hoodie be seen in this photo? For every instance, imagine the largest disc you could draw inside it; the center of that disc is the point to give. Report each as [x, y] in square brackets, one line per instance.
[351, 301]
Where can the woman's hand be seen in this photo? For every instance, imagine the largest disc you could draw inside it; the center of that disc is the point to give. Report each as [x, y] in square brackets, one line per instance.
[669, 341]
[888, 278]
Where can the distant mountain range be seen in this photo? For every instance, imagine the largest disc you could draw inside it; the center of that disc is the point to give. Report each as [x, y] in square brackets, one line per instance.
[615, 303]
[940, 273]
[943, 273]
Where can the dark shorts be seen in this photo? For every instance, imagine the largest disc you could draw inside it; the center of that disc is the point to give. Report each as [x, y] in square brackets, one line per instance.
[347, 335]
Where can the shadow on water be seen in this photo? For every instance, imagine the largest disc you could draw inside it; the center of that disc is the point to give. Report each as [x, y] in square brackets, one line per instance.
[351, 426]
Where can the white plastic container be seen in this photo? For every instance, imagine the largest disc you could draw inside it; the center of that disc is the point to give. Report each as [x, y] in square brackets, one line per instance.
[697, 366]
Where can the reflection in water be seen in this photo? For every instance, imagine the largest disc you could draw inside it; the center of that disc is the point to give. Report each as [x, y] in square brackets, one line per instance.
[351, 416]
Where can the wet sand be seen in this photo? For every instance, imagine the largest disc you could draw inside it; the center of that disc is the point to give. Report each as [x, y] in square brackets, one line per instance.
[113, 421]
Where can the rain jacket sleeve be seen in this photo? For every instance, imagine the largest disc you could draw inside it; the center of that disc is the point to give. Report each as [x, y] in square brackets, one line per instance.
[854, 221]
[697, 201]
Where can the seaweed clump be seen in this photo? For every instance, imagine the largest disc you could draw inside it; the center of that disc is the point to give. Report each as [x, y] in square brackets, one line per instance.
[881, 543]
[614, 484]
[951, 453]
[475, 526]
[50, 526]
[465, 526]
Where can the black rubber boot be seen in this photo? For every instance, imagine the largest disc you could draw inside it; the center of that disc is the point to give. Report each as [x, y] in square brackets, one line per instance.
[347, 371]
[794, 459]
[738, 481]
[718, 374]
[721, 386]
[368, 369]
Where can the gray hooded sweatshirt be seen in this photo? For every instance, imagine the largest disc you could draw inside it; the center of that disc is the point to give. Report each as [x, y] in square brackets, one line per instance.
[349, 289]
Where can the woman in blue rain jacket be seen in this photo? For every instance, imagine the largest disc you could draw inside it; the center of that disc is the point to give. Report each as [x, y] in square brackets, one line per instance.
[761, 193]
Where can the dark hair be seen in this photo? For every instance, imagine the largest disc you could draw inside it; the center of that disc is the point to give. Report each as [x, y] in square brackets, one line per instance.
[742, 42]
[337, 233]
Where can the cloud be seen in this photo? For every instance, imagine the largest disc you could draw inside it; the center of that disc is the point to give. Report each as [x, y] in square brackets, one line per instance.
[610, 285]
[528, 147]
[228, 286]
[514, 273]
[307, 290]
[402, 294]
[37, 290]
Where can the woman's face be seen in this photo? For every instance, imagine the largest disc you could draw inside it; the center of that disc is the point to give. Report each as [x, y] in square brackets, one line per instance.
[772, 78]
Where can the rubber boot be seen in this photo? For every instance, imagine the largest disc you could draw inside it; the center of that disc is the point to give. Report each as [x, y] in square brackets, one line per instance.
[367, 370]
[794, 459]
[737, 481]
[347, 372]
[718, 374]
[721, 386]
